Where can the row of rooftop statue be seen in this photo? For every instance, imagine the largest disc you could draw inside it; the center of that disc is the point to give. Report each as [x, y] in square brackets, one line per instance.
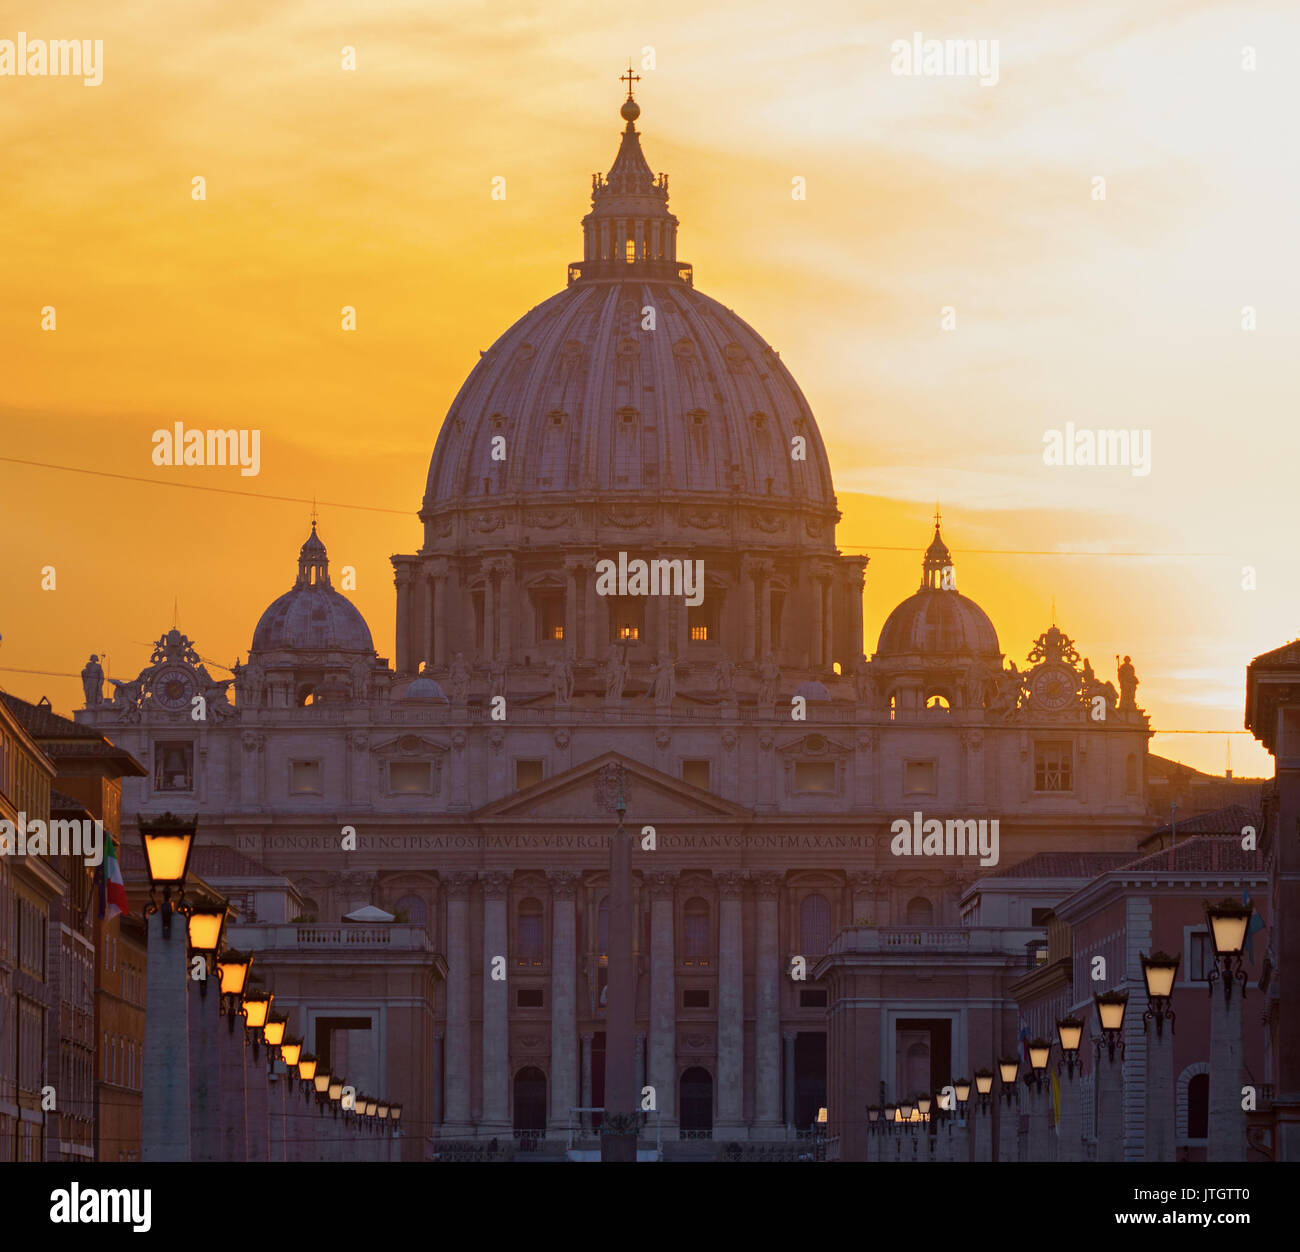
[176, 675]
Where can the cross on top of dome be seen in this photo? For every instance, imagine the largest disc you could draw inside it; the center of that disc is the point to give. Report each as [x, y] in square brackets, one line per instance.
[313, 561]
[937, 560]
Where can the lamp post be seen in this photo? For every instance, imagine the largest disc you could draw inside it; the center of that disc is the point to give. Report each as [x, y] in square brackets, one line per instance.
[1159, 973]
[982, 1115]
[873, 1132]
[256, 1008]
[165, 1129]
[1069, 1133]
[1009, 1109]
[205, 931]
[1040, 1055]
[1228, 922]
[1111, 1006]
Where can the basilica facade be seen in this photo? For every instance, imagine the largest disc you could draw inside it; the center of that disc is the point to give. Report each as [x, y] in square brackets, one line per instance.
[463, 792]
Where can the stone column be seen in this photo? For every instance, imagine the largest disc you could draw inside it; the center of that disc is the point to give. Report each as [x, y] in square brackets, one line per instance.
[438, 573]
[456, 894]
[1069, 1138]
[982, 1129]
[439, 1053]
[571, 565]
[828, 623]
[1159, 1133]
[585, 1121]
[731, 1007]
[790, 1036]
[857, 583]
[257, 1103]
[165, 1118]
[764, 572]
[402, 581]
[564, 1001]
[748, 617]
[816, 641]
[489, 608]
[1108, 1077]
[640, 1064]
[1008, 1125]
[767, 1021]
[505, 636]
[496, 1008]
[661, 1068]
[593, 646]
[205, 1068]
[1227, 1132]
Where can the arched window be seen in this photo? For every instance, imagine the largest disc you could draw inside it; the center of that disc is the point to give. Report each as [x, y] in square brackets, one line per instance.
[529, 937]
[414, 909]
[920, 912]
[695, 941]
[814, 925]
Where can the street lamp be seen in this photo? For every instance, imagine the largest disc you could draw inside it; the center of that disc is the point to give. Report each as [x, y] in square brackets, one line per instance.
[206, 927]
[257, 1008]
[290, 1051]
[395, 1112]
[1159, 970]
[1228, 922]
[1040, 1052]
[232, 969]
[167, 842]
[984, 1086]
[923, 1103]
[1008, 1068]
[1069, 1034]
[1110, 1012]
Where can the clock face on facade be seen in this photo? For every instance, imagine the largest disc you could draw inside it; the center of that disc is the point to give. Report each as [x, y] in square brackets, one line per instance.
[173, 687]
[1053, 687]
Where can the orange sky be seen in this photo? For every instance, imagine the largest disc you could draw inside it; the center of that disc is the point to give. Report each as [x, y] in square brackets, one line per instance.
[372, 188]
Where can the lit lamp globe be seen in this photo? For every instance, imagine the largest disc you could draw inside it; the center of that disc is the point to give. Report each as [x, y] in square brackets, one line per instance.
[257, 1008]
[1040, 1052]
[962, 1088]
[983, 1081]
[383, 1110]
[371, 1106]
[1008, 1068]
[1069, 1033]
[395, 1112]
[167, 846]
[321, 1082]
[1228, 922]
[821, 1116]
[336, 1089]
[306, 1067]
[1159, 971]
[207, 920]
[923, 1103]
[873, 1113]
[891, 1113]
[273, 1031]
[233, 967]
[905, 1109]
[290, 1051]
[1110, 1009]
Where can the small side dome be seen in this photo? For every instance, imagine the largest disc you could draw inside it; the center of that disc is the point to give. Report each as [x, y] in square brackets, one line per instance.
[312, 615]
[425, 689]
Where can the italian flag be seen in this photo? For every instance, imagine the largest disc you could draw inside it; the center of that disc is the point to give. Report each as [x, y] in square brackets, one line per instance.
[114, 889]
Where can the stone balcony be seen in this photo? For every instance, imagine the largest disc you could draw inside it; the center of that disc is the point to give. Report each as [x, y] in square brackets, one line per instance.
[1000, 945]
[335, 942]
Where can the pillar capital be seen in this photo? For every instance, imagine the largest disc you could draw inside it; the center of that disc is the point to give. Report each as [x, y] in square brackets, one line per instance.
[496, 883]
[730, 883]
[767, 885]
[660, 883]
[457, 884]
[564, 883]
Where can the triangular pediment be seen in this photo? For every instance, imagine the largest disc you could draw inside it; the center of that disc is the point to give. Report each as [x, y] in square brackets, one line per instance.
[650, 794]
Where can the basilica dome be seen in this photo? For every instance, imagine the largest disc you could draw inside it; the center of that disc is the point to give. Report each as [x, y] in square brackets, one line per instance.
[312, 615]
[938, 619]
[630, 382]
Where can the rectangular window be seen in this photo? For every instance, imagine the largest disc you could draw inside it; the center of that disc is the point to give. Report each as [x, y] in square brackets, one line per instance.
[626, 618]
[527, 774]
[530, 998]
[817, 777]
[918, 778]
[548, 611]
[173, 766]
[1053, 766]
[702, 621]
[410, 777]
[304, 778]
[695, 998]
[696, 773]
[1200, 955]
[812, 999]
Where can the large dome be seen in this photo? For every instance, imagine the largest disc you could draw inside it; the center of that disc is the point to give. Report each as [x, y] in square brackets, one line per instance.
[630, 381]
[312, 615]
